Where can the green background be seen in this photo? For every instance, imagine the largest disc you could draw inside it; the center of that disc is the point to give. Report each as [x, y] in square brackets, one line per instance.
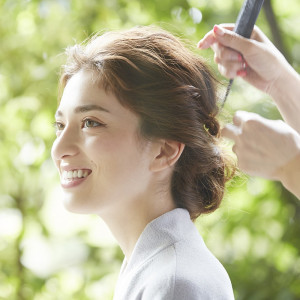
[49, 253]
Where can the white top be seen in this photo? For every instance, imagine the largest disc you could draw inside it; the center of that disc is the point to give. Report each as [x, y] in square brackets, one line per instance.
[171, 262]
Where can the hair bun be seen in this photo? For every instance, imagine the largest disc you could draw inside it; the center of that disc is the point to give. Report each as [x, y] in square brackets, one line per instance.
[212, 126]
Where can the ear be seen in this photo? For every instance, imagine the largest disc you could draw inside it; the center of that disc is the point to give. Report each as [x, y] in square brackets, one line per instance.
[168, 153]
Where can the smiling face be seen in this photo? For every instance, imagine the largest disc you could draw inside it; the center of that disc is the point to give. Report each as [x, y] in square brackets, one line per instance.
[102, 161]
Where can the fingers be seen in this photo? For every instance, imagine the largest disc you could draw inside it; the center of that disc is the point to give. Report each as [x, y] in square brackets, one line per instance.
[233, 131]
[224, 34]
[210, 38]
[262, 146]
[237, 119]
[240, 117]
[232, 69]
[224, 53]
[230, 39]
[230, 62]
[230, 131]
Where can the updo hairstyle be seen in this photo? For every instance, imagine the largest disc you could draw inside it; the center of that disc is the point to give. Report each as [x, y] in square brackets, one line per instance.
[173, 91]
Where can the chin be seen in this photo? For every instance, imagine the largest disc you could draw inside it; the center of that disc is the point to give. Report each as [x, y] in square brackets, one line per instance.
[76, 206]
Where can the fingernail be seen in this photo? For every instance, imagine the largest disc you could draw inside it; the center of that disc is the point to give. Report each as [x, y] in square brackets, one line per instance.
[241, 73]
[201, 44]
[218, 30]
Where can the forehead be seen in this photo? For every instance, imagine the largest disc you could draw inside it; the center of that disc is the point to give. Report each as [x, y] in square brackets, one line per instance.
[81, 85]
[83, 92]
[83, 89]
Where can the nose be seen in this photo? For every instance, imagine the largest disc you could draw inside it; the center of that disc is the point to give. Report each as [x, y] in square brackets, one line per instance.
[66, 144]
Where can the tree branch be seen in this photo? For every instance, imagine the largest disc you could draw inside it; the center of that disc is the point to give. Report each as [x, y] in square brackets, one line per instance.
[275, 30]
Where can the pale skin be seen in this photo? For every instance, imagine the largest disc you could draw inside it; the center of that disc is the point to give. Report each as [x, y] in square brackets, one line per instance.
[272, 149]
[267, 148]
[266, 68]
[127, 179]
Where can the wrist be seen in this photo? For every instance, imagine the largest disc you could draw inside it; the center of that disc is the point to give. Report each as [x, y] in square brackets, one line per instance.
[287, 85]
[286, 95]
[290, 175]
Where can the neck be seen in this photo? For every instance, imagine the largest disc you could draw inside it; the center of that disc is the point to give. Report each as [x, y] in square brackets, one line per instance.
[128, 222]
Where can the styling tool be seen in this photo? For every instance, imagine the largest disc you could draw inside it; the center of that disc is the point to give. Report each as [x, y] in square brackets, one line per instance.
[244, 25]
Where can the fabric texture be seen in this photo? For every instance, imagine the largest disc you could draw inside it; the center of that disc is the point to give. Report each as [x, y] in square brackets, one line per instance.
[170, 261]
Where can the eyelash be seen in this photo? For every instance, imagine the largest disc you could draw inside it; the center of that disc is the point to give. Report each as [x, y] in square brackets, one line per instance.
[56, 126]
[59, 126]
[93, 121]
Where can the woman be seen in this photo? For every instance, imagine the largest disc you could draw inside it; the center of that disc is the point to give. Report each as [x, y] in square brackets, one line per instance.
[266, 148]
[137, 144]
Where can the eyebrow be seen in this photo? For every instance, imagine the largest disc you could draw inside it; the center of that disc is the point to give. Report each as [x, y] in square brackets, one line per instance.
[84, 108]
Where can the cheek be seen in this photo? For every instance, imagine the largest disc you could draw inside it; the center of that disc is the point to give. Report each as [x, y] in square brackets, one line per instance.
[119, 154]
[53, 156]
[98, 148]
[110, 145]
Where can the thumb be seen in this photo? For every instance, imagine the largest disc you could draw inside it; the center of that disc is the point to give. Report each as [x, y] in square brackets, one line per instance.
[231, 131]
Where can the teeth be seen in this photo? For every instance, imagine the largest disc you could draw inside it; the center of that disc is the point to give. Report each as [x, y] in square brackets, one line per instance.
[75, 174]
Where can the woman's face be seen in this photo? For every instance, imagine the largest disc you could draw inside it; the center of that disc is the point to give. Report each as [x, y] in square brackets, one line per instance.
[102, 162]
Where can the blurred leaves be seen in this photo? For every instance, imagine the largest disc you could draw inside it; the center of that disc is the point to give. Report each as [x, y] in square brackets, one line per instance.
[48, 253]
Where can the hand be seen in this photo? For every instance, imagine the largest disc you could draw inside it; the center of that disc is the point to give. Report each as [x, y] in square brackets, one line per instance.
[264, 147]
[257, 60]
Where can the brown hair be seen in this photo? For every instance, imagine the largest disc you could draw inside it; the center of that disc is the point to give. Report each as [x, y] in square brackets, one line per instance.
[173, 91]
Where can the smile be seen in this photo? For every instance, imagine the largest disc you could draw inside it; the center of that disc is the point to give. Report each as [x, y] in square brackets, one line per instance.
[75, 174]
[73, 178]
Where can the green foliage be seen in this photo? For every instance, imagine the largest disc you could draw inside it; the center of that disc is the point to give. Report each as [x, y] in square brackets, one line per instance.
[47, 253]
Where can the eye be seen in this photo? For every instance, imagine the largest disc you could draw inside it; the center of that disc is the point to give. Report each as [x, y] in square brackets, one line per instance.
[58, 126]
[89, 123]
